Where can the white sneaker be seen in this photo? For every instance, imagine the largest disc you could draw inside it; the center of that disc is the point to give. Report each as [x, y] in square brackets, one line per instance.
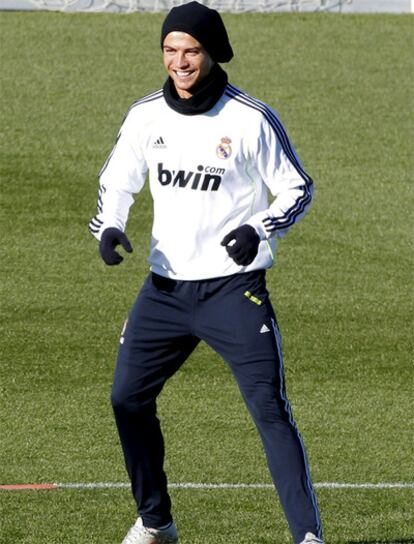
[138, 534]
[310, 538]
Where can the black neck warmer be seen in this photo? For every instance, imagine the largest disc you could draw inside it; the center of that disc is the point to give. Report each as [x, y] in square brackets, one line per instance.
[206, 94]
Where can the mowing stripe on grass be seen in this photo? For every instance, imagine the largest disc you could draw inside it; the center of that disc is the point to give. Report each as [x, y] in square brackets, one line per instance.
[189, 485]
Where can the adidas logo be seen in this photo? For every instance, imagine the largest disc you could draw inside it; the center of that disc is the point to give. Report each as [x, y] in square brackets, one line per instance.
[159, 143]
[264, 329]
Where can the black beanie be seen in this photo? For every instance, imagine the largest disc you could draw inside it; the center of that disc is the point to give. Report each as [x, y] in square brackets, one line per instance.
[203, 24]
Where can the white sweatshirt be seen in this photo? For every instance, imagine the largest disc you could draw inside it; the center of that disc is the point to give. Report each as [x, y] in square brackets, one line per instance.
[208, 174]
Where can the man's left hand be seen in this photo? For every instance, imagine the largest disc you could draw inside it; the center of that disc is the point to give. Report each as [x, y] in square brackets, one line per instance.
[246, 243]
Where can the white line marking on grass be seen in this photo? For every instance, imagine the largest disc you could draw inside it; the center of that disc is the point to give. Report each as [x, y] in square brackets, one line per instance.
[95, 485]
[190, 485]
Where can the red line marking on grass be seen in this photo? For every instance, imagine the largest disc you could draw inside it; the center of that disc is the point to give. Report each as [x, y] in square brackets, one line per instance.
[21, 487]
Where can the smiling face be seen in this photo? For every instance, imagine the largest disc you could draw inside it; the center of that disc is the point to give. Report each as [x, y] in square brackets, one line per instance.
[186, 61]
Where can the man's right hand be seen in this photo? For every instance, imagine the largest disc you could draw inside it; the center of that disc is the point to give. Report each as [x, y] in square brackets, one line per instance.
[111, 238]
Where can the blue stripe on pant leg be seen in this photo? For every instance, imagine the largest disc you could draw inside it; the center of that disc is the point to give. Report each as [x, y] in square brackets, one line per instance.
[232, 324]
[294, 426]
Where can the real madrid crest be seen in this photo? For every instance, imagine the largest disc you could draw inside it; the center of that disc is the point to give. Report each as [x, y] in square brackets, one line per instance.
[224, 150]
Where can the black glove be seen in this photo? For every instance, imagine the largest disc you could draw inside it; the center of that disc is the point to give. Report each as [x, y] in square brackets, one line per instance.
[111, 238]
[245, 247]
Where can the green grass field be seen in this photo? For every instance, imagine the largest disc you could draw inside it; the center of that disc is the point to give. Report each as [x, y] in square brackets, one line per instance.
[342, 285]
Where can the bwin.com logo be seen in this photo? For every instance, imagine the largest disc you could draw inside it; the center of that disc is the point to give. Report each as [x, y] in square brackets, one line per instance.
[207, 178]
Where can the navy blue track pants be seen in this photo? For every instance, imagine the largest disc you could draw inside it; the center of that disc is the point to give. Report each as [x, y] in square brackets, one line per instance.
[234, 316]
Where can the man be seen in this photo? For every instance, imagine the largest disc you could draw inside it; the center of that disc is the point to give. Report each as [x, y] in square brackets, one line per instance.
[212, 153]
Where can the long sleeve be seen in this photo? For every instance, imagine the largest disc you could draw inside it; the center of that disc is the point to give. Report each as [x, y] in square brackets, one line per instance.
[122, 176]
[208, 174]
[279, 167]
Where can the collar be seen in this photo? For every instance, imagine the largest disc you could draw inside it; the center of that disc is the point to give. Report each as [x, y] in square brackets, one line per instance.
[205, 96]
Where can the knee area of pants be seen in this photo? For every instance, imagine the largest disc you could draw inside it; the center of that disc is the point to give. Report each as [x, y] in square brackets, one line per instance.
[268, 411]
[128, 403]
[267, 417]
